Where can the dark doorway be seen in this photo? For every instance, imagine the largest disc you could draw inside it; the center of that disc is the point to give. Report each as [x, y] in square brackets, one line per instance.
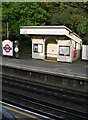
[25, 47]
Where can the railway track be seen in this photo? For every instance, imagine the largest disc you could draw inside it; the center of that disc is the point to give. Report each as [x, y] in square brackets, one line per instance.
[58, 92]
[54, 107]
[30, 104]
[39, 106]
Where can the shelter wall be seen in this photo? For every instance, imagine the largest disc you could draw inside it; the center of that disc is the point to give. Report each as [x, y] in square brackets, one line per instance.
[76, 46]
[64, 51]
[38, 50]
[52, 50]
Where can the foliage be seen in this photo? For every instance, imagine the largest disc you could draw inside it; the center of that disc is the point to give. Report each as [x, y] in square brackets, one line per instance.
[22, 14]
[71, 14]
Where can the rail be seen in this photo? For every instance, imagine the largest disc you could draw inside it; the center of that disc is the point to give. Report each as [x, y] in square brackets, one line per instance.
[57, 106]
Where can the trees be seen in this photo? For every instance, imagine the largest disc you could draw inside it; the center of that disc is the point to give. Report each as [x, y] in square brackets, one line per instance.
[72, 14]
[20, 14]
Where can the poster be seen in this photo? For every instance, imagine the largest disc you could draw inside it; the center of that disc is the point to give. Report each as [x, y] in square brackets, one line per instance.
[39, 48]
[64, 50]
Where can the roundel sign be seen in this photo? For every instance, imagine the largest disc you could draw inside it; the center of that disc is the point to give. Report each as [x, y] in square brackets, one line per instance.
[7, 47]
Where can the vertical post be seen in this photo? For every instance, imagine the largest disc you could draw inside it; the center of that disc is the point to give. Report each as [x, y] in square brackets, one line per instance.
[7, 31]
[16, 49]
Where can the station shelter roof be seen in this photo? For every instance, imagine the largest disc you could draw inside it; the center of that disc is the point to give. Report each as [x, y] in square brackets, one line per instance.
[50, 30]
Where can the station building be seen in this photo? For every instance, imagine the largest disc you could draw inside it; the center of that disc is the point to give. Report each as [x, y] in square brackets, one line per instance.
[57, 43]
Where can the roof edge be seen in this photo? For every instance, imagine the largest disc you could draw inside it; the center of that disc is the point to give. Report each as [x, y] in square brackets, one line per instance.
[49, 27]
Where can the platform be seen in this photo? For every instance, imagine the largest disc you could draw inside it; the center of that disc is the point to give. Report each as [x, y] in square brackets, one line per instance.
[76, 69]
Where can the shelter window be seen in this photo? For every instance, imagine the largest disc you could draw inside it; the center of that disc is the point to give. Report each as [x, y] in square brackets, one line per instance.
[37, 48]
[64, 50]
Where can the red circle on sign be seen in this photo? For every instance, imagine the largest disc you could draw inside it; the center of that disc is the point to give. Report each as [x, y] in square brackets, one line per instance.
[7, 48]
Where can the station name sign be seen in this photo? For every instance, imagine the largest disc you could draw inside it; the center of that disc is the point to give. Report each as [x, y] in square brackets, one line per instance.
[7, 48]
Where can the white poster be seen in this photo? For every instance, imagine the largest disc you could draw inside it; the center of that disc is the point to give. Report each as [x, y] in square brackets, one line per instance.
[64, 50]
[7, 48]
[40, 48]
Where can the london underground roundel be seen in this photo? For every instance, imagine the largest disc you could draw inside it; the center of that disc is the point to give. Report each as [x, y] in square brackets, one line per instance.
[7, 48]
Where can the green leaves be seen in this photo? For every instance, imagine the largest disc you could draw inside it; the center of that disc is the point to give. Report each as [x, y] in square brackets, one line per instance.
[20, 14]
[73, 15]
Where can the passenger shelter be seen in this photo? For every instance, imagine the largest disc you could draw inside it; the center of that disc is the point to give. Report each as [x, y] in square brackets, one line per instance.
[57, 43]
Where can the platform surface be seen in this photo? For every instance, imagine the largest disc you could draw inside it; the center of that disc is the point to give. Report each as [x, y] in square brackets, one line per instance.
[15, 113]
[76, 69]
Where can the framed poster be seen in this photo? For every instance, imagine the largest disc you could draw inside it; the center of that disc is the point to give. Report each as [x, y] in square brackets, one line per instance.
[38, 48]
[64, 50]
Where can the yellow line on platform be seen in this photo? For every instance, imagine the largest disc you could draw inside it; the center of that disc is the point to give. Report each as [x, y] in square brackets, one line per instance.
[20, 112]
[50, 60]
